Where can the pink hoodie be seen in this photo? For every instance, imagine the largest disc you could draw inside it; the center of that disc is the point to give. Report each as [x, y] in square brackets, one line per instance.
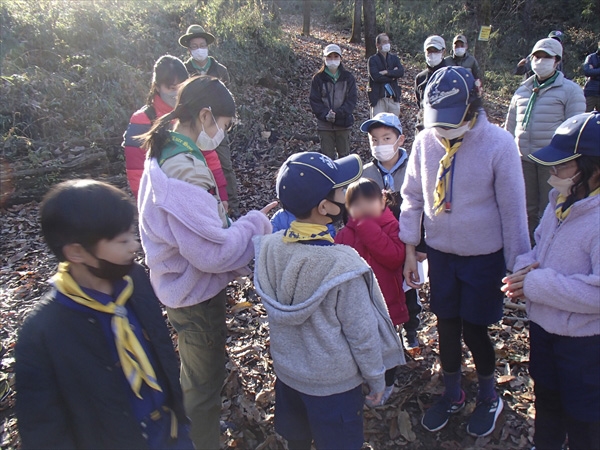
[190, 255]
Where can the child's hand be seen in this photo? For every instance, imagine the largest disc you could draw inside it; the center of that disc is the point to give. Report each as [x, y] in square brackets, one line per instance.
[411, 270]
[267, 209]
[513, 284]
[374, 398]
[225, 205]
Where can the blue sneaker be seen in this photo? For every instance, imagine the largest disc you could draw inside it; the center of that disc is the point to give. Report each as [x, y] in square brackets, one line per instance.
[436, 417]
[483, 419]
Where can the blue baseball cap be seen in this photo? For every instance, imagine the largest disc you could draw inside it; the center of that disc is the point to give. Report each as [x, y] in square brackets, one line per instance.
[306, 178]
[387, 119]
[447, 97]
[576, 136]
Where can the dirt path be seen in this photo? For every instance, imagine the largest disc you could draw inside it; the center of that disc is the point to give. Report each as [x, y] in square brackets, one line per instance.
[248, 396]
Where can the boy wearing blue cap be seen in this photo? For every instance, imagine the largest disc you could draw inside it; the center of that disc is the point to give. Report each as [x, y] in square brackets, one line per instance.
[560, 278]
[388, 169]
[329, 326]
[464, 181]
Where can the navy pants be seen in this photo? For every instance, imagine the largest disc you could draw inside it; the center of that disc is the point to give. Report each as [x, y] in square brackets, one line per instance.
[334, 422]
[566, 372]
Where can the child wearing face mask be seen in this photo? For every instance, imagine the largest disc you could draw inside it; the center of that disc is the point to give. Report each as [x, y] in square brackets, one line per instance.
[388, 169]
[95, 365]
[169, 73]
[560, 279]
[192, 249]
[333, 97]
[372, 231]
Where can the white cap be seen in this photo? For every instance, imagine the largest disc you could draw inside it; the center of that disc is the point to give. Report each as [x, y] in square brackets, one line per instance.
[434, 41]
[548, 45]
[332, 48]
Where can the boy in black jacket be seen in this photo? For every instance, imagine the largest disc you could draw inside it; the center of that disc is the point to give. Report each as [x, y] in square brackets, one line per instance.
[95, 365]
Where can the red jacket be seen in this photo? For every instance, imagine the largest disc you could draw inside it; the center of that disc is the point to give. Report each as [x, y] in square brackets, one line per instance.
[139, 124]
[377, 241]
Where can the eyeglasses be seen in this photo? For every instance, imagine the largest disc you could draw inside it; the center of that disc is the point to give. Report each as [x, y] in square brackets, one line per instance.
[555, 169]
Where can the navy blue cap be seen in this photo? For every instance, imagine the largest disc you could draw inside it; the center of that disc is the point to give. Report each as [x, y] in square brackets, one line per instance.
[387, 119]
[306, 178]
[576, 136]
[447, 97]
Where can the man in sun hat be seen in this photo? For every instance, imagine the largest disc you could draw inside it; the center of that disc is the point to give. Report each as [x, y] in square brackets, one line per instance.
[435, 49]
[461, 57]
[536, 110]
[197, 40]
[330, 329]
[524, 65]
[560, 280]
[464, 182]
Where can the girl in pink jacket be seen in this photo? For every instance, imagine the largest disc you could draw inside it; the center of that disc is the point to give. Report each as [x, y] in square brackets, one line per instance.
[192, 249]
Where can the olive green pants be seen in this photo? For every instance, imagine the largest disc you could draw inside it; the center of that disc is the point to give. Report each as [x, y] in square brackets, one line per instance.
[202, 334]
[335, 141]
[536, 193]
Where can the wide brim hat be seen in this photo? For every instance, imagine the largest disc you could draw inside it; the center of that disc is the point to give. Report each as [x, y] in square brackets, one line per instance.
[577, 136]
[195, 31]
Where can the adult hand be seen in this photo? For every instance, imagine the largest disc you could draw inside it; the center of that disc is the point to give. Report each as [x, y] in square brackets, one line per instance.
[513, 284]
[383, 72]
[411, 271]
[374, 398]
[267, 209]
[522, 62]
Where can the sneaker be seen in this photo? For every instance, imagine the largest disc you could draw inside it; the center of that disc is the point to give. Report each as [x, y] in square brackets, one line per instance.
[411, 340]
[386, 394]
[483, 419]
[436, 417]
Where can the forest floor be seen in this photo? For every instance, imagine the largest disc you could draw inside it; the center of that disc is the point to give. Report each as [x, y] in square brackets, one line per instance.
[248, 395]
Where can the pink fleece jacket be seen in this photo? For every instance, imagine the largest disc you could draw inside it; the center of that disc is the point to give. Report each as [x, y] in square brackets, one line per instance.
[190, 255]
[488, 204]
[563, 294]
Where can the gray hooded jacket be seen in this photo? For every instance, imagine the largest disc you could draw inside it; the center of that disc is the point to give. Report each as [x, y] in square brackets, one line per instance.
[330, 329]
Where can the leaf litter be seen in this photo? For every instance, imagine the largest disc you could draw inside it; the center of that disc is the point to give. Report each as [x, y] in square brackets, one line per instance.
[248, 394]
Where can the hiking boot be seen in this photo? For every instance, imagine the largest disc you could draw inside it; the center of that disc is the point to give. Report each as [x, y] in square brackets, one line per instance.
[436, 417]
[483, 419]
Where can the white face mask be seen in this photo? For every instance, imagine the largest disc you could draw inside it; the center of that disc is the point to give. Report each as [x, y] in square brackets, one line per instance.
[460, 51]
[169, 97]
[433, 59]
[452, 133]
[332, 64]
[205, 142]
[543, 67]
[200, 54]
[562, 185]
[386, 48]
[384, 152]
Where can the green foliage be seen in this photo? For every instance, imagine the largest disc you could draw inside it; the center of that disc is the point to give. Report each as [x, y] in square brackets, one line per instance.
[74, 71]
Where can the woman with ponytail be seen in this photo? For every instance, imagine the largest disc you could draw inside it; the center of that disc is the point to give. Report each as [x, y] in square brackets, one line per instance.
[192, 249]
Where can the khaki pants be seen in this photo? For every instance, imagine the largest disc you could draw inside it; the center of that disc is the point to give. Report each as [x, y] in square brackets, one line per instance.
[592, 103]
[224, 152]
[386, 104]
[202, 334]
[536, 192]
[335, 140]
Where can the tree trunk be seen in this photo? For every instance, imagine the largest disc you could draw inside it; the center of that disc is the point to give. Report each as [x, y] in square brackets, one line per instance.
[306, 17]
[356, 22]
[370, 27]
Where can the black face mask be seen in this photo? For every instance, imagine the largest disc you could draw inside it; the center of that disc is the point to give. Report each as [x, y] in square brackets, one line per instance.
[110, 271]
[339, 216]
